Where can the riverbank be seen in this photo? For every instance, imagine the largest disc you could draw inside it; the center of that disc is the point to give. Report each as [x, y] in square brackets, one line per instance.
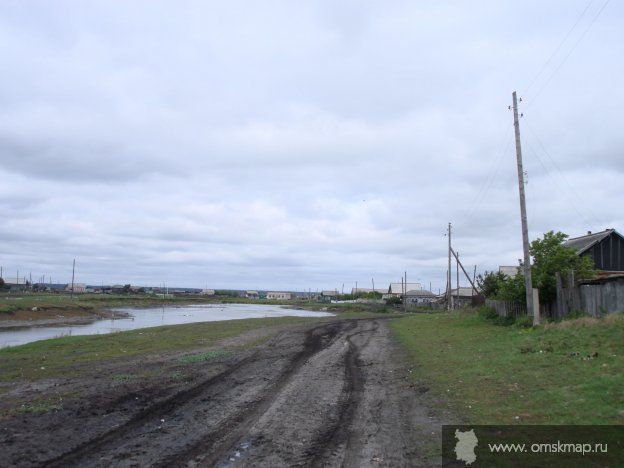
[55, 316]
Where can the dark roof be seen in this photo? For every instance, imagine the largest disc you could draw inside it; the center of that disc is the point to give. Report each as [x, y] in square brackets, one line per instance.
[420, 292]
[583, 243]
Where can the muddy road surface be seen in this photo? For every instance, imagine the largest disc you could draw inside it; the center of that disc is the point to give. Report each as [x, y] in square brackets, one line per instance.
[331, 394]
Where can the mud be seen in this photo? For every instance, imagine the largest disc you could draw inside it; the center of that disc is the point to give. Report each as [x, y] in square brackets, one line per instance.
[335, 394]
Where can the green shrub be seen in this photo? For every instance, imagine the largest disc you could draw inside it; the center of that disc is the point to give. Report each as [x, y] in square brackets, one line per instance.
[524, 321]
[487, 313]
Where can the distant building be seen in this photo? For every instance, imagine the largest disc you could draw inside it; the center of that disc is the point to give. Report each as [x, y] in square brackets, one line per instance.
[462, 297]
[397, 289]
[79, 288]
[328, 296]
[207, 292]
[279, 296]
[252, 295]
[605, 248]
[355, 291]
[419, 296]
[16, 283]
[510, 271]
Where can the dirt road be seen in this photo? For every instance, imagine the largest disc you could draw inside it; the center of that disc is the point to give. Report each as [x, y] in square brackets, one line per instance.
[334, 394]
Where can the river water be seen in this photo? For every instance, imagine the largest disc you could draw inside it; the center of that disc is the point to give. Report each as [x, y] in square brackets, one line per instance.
[153, 317]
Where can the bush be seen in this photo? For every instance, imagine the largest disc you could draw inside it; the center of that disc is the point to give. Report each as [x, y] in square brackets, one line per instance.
[487, 313]
[393, 301]
[524, 321]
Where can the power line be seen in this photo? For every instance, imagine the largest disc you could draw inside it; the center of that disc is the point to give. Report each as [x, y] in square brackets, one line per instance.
[491, 176]
[560, 173]
[552, 56]
[554, 72]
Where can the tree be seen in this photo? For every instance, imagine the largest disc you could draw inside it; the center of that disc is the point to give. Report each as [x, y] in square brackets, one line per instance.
[513, 288]
[550, 256]
[490, 282]
[2, 284]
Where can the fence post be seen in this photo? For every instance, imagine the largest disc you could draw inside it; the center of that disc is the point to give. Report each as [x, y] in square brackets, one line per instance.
[575, 293]
[560, 299]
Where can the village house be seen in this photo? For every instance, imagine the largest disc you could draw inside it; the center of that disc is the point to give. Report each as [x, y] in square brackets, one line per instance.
[328, 296]
[461, 297]
[398, 289]
[419, 296]
[279, 296]
[605, 248]
[356, 291]
[79, 288]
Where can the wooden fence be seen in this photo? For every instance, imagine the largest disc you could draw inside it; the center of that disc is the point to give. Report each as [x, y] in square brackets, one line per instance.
[506, 308]
[594, 298]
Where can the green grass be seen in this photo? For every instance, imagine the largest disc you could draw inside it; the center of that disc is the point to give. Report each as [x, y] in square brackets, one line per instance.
[12, 302]
[40, 408]
[201, 357]
[567, 373]
[65, 356]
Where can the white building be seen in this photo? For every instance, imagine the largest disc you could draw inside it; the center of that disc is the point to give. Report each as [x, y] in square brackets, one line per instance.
[279, 296]
[78, 288]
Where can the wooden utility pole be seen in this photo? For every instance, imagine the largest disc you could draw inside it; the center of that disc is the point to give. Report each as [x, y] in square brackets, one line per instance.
[405, 294]
[472, 283]
[73, 271]
[457, 271]
[528, 283]
[449, 299]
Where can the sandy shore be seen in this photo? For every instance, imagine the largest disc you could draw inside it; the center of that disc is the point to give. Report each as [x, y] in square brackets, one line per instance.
[52, 317]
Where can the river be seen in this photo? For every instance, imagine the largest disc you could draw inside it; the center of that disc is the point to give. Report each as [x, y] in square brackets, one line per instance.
[153, 317]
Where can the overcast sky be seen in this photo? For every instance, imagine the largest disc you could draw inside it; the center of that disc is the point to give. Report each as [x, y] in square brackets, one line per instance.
[301, 145]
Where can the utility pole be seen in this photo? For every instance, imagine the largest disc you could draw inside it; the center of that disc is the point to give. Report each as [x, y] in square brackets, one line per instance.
[72, 287]
[405, 294]
[449, 299]
[472, 283]
[457, 271]
[528, 283]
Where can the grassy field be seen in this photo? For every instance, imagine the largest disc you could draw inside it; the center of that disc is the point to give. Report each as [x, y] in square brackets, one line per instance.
[566, 373]
[13, 302]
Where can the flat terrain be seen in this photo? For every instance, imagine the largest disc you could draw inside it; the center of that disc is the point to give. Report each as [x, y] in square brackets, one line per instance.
[333, 393]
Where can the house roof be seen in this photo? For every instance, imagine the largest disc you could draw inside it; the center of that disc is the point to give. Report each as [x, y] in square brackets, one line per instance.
[397, 288]
[420, 293]
[367, 290]
[463, 292]
[583, 243]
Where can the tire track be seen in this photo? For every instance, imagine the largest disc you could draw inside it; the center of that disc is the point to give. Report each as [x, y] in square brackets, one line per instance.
[143, 422]
[215, 447]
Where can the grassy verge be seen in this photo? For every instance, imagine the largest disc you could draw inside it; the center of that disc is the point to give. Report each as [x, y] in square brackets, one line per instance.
[566, 373]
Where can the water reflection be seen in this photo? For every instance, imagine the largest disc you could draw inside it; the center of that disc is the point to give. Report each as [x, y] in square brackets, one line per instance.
[144, 318]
